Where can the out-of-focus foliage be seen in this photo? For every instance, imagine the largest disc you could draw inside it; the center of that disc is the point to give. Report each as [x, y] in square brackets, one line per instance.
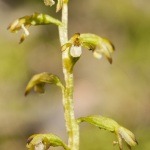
[119, 91]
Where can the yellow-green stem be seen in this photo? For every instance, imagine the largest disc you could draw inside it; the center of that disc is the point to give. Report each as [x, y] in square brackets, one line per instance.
[71, 124]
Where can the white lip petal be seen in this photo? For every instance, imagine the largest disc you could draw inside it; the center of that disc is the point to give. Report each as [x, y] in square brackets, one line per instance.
[75, 51]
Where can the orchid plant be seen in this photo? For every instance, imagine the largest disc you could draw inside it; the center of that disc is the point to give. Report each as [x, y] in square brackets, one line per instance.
[71, 51]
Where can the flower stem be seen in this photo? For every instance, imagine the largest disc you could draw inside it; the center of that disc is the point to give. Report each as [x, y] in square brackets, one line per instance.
[71, 124]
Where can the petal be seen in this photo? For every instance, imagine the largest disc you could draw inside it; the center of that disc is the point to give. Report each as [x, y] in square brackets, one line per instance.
[75, 51]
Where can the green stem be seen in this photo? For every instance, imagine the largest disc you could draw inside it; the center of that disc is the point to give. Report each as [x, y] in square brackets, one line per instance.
[71, 124]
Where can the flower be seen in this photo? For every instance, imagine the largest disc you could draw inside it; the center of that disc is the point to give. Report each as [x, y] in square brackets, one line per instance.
[96, 44]
[44, 141]
[38, 142]
[112, 126]
[25, 22]
[38, 82]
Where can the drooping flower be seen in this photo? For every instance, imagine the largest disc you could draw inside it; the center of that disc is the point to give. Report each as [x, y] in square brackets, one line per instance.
[38, 82]
[112, 126]
[25, 22]
[44, 141]
[96, 44]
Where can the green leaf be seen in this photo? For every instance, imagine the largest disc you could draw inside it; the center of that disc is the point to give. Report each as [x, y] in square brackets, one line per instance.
[36, 19]
[38, 81]
[44, 141]
[112, 126]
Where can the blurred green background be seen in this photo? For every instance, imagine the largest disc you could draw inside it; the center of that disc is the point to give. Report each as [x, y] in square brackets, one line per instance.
[120, 91]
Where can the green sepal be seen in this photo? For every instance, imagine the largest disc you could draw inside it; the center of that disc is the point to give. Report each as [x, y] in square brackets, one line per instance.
[101, 122]
[36, 19]
[44, 141]
[112, 126]
[98, 45]
[38, 81]
[89, 38]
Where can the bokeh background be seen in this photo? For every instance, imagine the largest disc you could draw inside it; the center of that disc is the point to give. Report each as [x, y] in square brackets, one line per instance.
[120, 91]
